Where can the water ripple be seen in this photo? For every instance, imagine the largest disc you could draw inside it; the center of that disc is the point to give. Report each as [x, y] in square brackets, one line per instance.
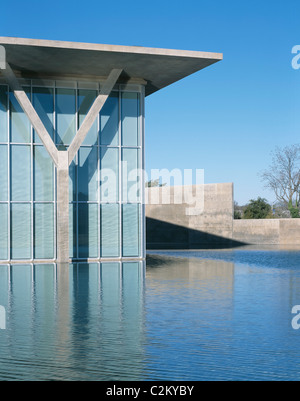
[208, 315]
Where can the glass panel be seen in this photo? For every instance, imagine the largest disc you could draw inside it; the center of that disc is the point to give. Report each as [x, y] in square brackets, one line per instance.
[87, 230]
[88, 174]
[3, 114]
[130, 120]
[3, 173]
[20, 173]
[110, 231]
[65, 116]
[3, 231]
[85, 100]
[19, 123]
[109, 121]
[43, 175]
[130, 174]
[43, 231]
[43, 102]
[72, 230]
[109, 175]
[131, 230]
[21, 231]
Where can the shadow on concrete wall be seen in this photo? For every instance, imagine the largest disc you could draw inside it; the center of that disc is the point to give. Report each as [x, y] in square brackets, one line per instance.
[163, 235]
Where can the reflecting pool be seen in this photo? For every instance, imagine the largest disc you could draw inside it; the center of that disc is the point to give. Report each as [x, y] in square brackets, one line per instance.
[208, 315]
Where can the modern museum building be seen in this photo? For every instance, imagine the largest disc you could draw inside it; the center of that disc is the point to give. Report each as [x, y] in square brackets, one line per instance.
[72, 151]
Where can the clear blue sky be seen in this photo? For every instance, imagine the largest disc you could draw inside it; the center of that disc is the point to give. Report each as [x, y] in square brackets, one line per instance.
[225, 119]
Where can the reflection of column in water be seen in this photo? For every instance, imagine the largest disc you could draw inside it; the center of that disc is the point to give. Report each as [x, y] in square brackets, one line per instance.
[83, 347]
[122, 319]
[96, 310]
[133, 321]
[63, 321]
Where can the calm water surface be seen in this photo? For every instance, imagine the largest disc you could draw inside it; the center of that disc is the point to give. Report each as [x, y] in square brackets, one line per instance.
[206, 315]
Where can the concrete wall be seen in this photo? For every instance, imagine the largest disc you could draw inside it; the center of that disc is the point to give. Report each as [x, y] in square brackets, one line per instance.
[181, 224]
[217, 215]
[173, 222]
[267, 232]
[256, 231]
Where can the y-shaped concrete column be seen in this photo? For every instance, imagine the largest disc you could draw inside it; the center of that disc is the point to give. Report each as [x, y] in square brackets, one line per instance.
[32, 115]
[62, 159]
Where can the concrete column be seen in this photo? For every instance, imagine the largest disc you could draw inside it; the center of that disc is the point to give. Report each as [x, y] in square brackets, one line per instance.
[32, 115]
[63, 207]
[61, 159]
[92, 114]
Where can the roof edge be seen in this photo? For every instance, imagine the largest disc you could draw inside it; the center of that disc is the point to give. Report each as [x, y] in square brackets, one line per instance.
[108, 48]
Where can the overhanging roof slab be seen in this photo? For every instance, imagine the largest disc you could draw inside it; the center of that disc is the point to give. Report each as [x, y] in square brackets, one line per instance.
[157, 67]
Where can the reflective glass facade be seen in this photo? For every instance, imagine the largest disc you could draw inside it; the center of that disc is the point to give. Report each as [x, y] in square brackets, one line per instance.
[106, 195]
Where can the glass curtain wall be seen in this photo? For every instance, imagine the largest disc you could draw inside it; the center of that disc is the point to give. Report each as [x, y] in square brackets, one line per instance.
[106, 212]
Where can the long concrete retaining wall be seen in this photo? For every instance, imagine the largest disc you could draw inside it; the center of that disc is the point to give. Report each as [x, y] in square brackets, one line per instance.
[267, 231]
[173, 222]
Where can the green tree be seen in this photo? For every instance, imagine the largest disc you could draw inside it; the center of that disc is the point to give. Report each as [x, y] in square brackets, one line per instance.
[294, 211]
[154, 183]
[257, 209]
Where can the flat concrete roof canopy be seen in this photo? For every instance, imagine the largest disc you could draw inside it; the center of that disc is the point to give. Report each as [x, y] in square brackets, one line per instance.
[157, 67]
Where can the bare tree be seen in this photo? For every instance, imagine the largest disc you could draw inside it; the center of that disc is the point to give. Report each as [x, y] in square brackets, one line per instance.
[283, 175]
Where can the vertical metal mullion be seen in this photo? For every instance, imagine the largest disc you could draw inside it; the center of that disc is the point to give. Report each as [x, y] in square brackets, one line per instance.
[120, 197]
[99, 231]
[31, 182]
[76, 172]
[143, 206]
[9, 254]
[139, 166]
[54, 174]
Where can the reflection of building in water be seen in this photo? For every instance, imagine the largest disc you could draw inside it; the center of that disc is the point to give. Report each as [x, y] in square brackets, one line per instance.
[193, 273]
[188, 301]
[198, 292]
[108, 317]
[88, 319]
